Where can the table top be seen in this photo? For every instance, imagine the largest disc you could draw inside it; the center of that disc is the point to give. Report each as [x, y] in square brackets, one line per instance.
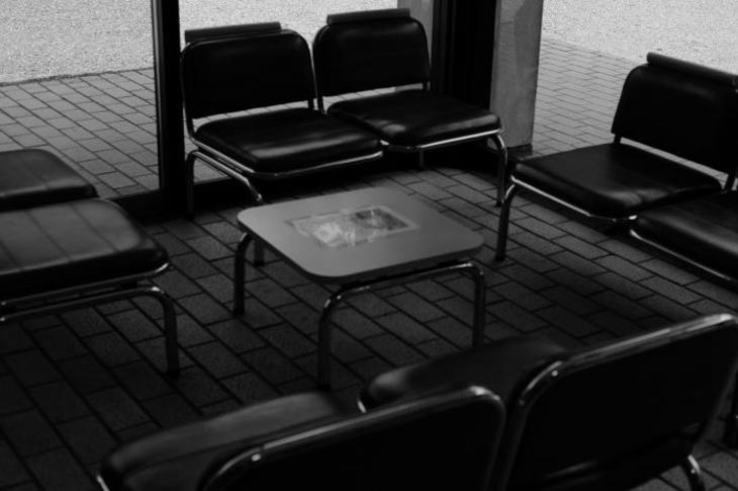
[355, 235]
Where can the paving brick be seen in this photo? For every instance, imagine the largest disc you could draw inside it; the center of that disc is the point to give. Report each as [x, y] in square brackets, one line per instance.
[416, 307]
[170, 410]
[288, 340]
[58, 470]
[88, 438]
[204, 309]
[59, 402]
[14, 338]
[31, 368]
[199, 387]
[272, 365]
[407, 328]
[249, 388]
[394, 350]
[11, 470]
[13, 397]
[616, 282]
[86, 322]
[112, 349]
[117, 409]
[59, 343]
[216, 359]
[141, 381]
[29, 433]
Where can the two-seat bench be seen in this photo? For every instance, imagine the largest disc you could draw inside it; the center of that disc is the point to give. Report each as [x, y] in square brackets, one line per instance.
[669, 111]
[241, 85]
[62, 248]
[606, 417]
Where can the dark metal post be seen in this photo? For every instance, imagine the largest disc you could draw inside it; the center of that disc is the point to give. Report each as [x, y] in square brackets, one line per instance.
[169, 117]
[463, 46]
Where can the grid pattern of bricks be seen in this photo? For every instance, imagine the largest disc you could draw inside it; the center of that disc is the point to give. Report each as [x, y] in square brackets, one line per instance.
[76, 385]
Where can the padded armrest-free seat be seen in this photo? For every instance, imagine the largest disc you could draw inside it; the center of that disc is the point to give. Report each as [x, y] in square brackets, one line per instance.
[285, 141]
[703, 231]
[614, 180]
[34, 177]
[180, 457]
[71, 244]
[415, 117]
[670, 111]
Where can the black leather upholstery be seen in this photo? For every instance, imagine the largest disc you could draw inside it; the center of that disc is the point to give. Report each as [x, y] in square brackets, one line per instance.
[69, 245]
[609, 417]
[258, 69]
[615, 416]
[683, 109]
[180, 458]
[499, 366]
[287, 140]
[702, 230]
[446, 440]
[34, 177]
[415, 117]
[369, 50]
[613, 180]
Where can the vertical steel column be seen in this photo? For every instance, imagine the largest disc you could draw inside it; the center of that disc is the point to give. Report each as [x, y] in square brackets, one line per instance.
[169, 117]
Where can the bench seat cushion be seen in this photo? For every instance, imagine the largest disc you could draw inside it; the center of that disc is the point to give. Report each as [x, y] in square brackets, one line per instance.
[71, 244]
[613, 180]
[287, 140]
[179, 458]
[499, 367]
[415, 117]
[703, 230]
[36, 177]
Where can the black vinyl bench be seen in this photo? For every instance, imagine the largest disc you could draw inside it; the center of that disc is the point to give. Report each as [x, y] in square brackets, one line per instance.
[515, 415]
[611, 416]
[669, 111]
[446, 440]
[33, 177]
[74, 254]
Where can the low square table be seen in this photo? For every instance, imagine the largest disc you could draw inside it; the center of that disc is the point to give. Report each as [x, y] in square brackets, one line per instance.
[360, 240]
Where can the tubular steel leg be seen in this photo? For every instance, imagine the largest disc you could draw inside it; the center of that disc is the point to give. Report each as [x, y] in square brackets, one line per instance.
[504, 223]
[170, 328]
[502, 158]
[258, 253]
[324, 339]
[190, 180]
[170, 318]
[694, 475]
[731, 421]
[480, 307]
[239, 276]
[324, 326]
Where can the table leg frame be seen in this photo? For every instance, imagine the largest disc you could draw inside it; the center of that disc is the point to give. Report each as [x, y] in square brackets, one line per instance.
[344, 292]
[357, 288]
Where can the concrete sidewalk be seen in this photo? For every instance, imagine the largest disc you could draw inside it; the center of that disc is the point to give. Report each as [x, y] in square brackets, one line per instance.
[72, 387]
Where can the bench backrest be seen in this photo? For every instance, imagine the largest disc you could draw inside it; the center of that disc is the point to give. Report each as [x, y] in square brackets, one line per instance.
[682, 108]
[243, 67]
[444, 441]
[375, 49]
[614, 416]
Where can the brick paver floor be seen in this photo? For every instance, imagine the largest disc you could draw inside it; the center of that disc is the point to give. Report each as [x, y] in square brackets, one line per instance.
[74, 386]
